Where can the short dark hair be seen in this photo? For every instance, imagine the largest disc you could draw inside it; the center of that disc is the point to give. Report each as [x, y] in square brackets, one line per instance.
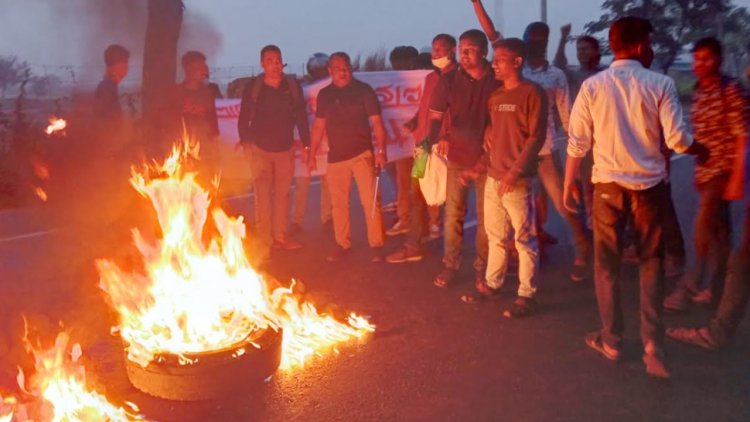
[340, 55]
[588, 39]
[477, 37]
[270, 48]
[514, 45]
[711, 44]
[403, 57]
[628, 32]
[114, 54]
[192, 57]
[540, 28]
[446, 38]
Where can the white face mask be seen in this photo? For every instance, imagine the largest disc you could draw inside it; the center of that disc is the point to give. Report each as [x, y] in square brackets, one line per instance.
[441, 63]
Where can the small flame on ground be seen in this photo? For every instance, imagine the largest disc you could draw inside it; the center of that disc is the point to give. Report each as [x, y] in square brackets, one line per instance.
[192, 297]
[56, 125]
[59, 382]
[41, 194]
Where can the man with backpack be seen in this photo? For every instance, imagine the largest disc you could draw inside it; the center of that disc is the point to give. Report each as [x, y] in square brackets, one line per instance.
[272, 106]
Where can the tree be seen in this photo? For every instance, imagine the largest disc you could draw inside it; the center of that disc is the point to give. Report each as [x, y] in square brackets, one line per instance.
[45, 86]
[677, 23]
[12, 72]
[160, 55]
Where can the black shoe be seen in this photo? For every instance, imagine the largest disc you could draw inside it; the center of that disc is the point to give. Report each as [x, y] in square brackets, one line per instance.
[522, 307]
[338, 255]
[446, 277]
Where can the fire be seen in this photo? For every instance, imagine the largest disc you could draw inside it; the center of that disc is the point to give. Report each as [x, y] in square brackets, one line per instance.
[191, 297]
[41, 194]
[7, 408]
[56, 125]
[60, 384]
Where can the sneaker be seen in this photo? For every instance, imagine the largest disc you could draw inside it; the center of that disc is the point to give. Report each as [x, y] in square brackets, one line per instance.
[397, 229]
[677, 301]
[294, 229]
[286, 245]
[704, 297]
[521, 307]
[407, 253]
[435, 232]
[446, 277]
[594, 341]
[377, 255]
[338, 255]
[579, 273]
[674, 266]
[389, 207]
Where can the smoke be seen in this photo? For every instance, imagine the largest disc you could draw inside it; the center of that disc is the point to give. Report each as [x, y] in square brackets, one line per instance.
[87, 27]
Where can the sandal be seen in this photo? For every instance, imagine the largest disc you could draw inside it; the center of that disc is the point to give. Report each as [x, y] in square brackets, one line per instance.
[594, 341]
[483, 292]
[700, 337]
[445, 278]
[521, 307]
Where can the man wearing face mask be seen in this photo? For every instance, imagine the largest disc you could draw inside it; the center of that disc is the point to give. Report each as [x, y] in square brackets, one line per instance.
[462, 96]
[537, 69]
[424, 218]
[624, 115]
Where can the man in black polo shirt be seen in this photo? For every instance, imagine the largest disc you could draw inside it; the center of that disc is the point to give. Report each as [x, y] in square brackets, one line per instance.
[462, 96]
[347, 110]
[272, 106]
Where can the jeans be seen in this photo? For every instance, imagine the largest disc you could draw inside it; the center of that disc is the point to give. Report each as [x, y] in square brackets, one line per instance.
[711, 237]
[456, 206]
[736, 293]
[504, 215]
[612, 205]
[549, 176]
[339, 177]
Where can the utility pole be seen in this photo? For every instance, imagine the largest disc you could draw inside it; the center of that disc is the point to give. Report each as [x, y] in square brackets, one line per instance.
[544, 11]
[500, 16]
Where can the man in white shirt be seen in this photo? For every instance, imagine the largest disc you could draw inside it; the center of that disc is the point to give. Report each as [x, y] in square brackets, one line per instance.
[624, 113]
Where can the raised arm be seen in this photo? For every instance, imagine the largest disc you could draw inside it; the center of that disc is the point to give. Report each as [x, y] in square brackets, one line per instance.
[485, 22]
[560, 60]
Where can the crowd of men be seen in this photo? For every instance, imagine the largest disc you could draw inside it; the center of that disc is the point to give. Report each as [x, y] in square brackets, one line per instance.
[496, 124]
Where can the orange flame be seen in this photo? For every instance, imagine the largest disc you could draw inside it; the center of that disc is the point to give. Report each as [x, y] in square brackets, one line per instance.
[41, 194]
[56, 125]
[196, 298]
[60, 383]
[7, 408]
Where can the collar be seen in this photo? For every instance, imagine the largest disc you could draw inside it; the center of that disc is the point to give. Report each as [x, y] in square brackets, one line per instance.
[626, 63]
[542, 68]
[487, 71]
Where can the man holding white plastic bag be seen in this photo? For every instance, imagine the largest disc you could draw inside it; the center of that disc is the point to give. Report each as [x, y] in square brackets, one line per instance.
[444, 59]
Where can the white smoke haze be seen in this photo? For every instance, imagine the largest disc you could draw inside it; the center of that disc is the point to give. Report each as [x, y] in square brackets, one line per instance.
[76, 32]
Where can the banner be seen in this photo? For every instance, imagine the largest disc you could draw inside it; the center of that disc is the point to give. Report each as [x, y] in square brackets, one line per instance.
[399, 94]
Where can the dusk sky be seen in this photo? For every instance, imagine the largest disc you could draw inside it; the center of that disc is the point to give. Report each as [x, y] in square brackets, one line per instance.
[35, 31]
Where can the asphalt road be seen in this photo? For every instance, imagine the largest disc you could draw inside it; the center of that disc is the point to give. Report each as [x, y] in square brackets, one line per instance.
[431, 358]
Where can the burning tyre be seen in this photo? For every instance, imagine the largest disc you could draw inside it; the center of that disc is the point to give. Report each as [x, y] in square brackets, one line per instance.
[209, 375]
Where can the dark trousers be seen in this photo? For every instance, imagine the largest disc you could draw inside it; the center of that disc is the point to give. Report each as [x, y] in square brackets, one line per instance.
[674, 242]
[736, 292]
[712, 239]
[613, 204]
[456, 206]
[421, 215]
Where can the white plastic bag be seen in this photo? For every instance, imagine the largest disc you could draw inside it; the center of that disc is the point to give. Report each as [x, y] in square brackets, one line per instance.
[435, 181]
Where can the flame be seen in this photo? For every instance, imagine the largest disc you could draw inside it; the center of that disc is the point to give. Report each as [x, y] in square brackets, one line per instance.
[60, 382]
[56, 124]
[193, 298]
[7, 408]
[41, 194]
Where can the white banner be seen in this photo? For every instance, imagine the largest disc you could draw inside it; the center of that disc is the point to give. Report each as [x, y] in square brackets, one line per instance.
[399, 94]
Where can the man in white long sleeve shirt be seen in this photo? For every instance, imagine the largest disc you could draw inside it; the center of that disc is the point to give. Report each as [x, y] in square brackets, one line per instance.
[622, 114]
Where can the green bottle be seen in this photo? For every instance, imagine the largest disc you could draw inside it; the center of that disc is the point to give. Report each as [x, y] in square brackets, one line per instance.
[420, 160]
